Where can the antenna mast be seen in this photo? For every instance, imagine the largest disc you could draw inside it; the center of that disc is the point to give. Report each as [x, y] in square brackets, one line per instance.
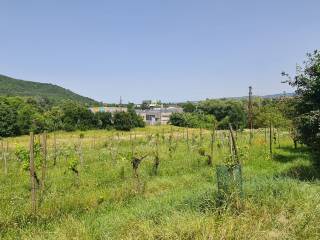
[120, 102]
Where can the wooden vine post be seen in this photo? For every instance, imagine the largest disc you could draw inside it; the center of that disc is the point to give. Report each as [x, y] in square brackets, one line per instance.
[44, 160]
[234, 144]
[135, 164]
[156, 158]
[170, 145]
[270, 139]
[32, 175]
[163, 135]
[5, 152]
[2, 149]
[188, 138]
[54, 149]
[131, 143]
[6, 158]
[265, 137]
[80, 149]
[231, 147]
[212, 141]
[223, 139]
[94, 142]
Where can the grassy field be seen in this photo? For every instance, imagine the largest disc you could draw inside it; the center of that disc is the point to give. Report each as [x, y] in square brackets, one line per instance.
[106, 201]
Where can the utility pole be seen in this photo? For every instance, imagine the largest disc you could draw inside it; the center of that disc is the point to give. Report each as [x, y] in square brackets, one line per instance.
[250, 117]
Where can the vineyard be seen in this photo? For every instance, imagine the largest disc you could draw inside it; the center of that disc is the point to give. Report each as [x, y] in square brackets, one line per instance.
[157, 182]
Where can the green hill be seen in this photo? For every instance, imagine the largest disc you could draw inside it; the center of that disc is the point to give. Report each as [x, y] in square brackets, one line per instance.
[15, 87]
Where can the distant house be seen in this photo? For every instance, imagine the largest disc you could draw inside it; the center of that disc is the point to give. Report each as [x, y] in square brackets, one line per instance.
[158, 116]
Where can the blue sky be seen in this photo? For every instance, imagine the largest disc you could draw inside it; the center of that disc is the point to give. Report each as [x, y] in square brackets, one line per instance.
[173, 50]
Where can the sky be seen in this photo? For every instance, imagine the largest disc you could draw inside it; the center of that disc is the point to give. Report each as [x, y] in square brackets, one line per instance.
[172, 50]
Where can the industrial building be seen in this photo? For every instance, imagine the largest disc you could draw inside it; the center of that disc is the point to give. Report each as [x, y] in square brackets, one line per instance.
[154, 116]
[158, 116]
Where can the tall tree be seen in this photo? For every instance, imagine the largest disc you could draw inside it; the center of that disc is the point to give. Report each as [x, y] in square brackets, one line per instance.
[8, 119]
[307, 107]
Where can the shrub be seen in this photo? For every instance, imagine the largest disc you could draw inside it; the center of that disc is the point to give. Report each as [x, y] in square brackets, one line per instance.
[192, 120]
[122, 121]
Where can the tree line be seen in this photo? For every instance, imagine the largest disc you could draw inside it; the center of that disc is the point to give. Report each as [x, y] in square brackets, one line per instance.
[19, 116]
[235, 111]
[300, 113]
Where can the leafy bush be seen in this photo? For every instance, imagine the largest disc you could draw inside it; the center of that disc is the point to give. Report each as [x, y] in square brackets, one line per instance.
[104, 120]
[137, 120]
[122, 121]
[225, 111]
[192, 120]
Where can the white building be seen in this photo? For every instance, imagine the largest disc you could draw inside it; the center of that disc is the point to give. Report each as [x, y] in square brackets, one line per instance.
[158, 116]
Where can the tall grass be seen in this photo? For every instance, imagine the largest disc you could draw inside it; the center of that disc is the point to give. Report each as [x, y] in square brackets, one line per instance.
[281, 196]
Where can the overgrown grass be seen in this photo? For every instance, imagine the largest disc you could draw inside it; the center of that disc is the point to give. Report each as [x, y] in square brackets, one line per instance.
[281, 195]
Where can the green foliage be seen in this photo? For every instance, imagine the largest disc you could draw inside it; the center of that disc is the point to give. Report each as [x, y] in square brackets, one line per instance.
[20, 116]
[25, 118]
[308, 126]
[192, 120]
[270, 114]
[8, 119]
[178, 203]
[122, 121]
[53, 119]
[189, 107]
[76, 116]
[137, 120]
[307, 104]
[125, 121]
[225, 111]
[23, 155]
[73, 163]
[104, 120]
[202, 151]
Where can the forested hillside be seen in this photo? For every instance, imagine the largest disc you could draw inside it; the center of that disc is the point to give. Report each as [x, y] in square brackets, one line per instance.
[14, 87]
